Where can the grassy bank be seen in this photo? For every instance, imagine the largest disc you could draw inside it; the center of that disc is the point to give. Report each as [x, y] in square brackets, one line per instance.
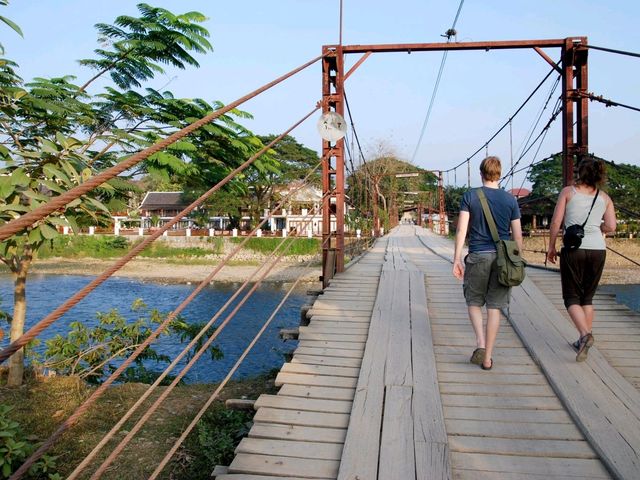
[41, 405]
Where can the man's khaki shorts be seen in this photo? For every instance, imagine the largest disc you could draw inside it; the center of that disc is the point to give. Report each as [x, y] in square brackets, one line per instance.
[481, 284]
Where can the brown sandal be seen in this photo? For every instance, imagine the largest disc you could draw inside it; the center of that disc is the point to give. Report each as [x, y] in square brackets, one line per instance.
[477, 356]
[486, 368]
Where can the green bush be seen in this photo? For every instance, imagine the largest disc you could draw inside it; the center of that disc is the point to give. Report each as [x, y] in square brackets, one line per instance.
[300, 246]
[15, 448]
[92, 246]
[213, 442]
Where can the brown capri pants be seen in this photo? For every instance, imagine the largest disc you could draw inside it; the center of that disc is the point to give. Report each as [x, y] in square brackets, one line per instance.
[580, 272]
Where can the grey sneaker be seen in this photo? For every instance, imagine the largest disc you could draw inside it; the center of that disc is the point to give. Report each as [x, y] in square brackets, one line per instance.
[585, 344]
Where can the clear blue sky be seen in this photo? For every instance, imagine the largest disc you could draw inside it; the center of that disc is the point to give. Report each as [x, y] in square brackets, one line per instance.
[256, 40]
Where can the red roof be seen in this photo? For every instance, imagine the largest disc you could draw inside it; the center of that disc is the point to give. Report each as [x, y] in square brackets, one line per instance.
[519, 192]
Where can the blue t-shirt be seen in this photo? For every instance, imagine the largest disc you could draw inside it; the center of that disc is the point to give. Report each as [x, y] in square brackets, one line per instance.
[504, 208]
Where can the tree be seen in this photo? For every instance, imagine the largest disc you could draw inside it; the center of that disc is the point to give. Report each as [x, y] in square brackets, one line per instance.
[54, 135]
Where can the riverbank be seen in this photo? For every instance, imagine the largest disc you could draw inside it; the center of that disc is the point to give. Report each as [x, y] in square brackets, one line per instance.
[173, 270]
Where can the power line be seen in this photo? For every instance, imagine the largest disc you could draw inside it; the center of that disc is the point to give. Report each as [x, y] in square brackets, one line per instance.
[611, 50]
[449, 33]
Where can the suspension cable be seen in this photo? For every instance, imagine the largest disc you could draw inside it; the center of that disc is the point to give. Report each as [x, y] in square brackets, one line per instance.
[607, 102]
[611, 50]
[222, 384]
[62, 309]
[24, 221]
[624, 256]
[486, 144]
[175, 313]
[102, 388]
[150, 410]
[449, 34]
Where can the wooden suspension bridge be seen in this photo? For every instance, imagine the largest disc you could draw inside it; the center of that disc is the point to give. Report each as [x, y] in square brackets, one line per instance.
[380, 385]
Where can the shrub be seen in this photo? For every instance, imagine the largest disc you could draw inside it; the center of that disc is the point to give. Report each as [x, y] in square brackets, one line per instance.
[299, 246]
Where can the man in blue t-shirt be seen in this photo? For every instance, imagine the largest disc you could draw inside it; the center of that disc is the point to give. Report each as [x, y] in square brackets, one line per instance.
[479, 269]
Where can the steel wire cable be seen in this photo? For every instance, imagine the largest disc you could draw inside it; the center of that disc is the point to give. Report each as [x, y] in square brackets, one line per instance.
[484, 145]
[62, 309]
[175, 313]
[101, 389]
[448, 34]
[526, 146]
[222, 384]
[609, 103]
[56, 203]
[612, 50]
[150, 410]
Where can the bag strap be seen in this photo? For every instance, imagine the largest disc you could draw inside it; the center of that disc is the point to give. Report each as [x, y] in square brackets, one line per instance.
[487, 214]
[592, 204]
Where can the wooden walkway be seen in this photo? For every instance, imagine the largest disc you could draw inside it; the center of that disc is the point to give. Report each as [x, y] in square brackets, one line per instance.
[380, 386]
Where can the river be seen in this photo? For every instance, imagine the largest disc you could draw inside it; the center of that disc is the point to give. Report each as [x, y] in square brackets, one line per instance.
[46, 292]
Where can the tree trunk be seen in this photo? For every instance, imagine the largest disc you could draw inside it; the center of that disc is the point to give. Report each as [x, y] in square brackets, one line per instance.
[16, 361]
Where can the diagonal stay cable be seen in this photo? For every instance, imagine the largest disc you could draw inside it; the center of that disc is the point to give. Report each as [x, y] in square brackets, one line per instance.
[62, 309]
[150, 410]
[222, 384]
[173, 314]
[24, 221]
[611, 50]
[101, 389]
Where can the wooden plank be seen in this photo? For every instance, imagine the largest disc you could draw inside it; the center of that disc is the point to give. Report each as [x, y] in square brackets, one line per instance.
[498, 390]
[320, 360]
[398, 352]
[302, 418]
[308, 391]
[360, 454]
[278, 465]
[349, 372]
[528, 448]
[397, 458]
[315, 380]
[297, 433]
[530, 431]
[430, 436]
[306, 404]
[332, 337]
[497, 378]
[329, 352]
[285, 448]
[550, 467]
[503, 403]
[504, 415]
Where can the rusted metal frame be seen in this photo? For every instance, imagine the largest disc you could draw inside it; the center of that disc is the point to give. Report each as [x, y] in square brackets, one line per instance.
[441, 198]
[575, 106]
[548, 59]
[423, 47]
[333, 163]
[357, 64]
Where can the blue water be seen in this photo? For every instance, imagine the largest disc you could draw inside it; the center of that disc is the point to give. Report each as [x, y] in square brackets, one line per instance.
[46, 292]
[628, 295]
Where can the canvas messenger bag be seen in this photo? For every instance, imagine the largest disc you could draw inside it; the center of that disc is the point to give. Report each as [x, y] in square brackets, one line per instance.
[511, 266]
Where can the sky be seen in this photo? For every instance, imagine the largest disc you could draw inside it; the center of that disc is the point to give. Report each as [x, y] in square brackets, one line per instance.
[256, 41]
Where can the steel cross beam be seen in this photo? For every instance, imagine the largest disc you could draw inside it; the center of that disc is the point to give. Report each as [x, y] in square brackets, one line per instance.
[575, 103]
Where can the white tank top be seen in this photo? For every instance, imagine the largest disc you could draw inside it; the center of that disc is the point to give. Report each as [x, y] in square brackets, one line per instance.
[576, 213]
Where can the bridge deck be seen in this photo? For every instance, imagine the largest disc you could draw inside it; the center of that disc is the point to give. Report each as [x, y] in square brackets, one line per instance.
[408, 404]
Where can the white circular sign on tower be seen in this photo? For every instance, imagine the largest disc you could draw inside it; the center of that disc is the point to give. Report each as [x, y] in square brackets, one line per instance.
[332, 126]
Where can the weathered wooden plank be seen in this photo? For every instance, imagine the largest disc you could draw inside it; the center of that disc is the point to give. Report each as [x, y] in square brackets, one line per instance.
[466, 367]
[332, 337]
[507, 415]
[430, 437]
[526, 447]
[320, 370]
[309, 391]
[549, 431]
[397, 458]
[297, 433]
[315, 380]
[329, 352]
[498, 390]
[360, 454]
[306, 404]
[286, 448]
[321, 360]
[539, 403]
[398, 352]
[497, 378]
[278, 465]
[302, 418]
[549, 467]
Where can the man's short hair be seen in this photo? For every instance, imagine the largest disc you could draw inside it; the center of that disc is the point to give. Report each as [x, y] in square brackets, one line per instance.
[491, 169]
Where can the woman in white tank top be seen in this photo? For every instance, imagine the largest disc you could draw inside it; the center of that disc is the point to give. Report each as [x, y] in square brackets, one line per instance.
[581, 268]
